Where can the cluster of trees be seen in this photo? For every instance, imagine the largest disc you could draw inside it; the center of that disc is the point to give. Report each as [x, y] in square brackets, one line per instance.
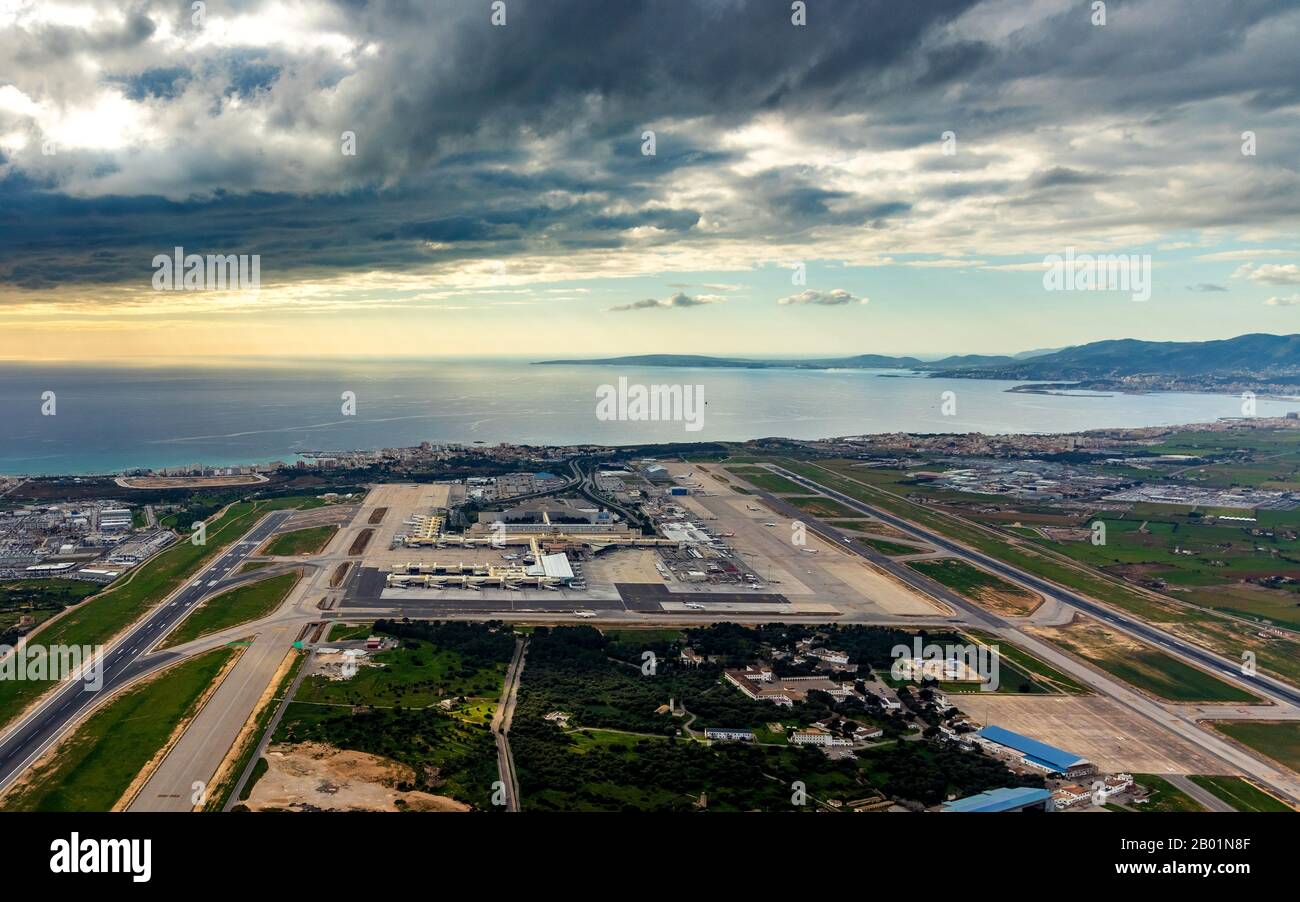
[603, 684]
[736, 645]
[867, 646]
[667, 774]
[932, 772]
[29, 596]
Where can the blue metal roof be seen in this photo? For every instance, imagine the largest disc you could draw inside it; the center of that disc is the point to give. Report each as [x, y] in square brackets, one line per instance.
[1000, 799]
[1047, 755]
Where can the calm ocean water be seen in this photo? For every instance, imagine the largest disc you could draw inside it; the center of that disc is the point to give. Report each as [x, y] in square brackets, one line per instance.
[110, 419]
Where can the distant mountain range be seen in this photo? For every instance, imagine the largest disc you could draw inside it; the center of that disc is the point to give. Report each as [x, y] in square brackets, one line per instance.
[1257, 357]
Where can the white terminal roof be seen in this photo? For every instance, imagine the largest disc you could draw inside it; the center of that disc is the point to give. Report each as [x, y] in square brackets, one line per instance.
[556, 565]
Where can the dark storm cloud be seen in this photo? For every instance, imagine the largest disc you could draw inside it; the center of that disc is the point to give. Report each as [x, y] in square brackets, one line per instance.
[476, 141]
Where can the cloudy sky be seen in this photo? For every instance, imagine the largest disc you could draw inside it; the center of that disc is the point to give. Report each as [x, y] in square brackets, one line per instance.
[886, 178]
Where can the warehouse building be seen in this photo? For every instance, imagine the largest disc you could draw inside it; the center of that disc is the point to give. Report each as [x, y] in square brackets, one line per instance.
[1013, 798]
[1036, 754]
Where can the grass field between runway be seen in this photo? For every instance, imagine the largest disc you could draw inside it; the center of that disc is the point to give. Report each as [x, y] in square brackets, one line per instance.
[242, 605]
[94, 767]
[301, 541]
[1279, 740]
[1241, 794]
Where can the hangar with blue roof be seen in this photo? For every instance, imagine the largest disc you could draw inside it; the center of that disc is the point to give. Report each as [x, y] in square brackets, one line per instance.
[1012, 798]
[1034, 753]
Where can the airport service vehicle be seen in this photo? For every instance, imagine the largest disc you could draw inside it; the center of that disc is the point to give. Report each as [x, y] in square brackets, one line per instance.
[769, 524]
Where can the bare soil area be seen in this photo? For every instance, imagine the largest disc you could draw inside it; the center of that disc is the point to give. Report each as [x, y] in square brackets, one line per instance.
[316, 777]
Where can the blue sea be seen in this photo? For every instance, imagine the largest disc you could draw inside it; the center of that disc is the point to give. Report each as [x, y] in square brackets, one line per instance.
[108, 419]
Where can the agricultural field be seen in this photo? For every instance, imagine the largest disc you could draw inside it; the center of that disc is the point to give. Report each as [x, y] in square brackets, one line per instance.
[1198, 561]
[980, 586]
[301, 541]
[242, 605]
[97, 764]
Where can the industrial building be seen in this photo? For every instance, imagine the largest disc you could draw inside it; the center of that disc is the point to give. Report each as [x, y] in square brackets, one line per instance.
[1036, 754]
[1014, 798]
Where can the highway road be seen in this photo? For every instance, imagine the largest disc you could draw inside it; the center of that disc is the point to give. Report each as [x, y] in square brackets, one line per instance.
[1264, 685]
[501, 725]
[126, 659]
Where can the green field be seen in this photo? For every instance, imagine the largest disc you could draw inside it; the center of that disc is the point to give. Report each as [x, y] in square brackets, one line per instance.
[768, 482]
[893, 549]
[415, 675]
[968, 579]
[342, 632]
[300, 541]
[250, 602]
[1277, 740]
[1241, 794]
[97, 764]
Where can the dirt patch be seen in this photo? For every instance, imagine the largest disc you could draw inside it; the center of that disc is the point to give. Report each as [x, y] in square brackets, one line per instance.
[377, 515]
[1014, 604]
[360, 542]
[316, 777]
[336, 579]
[1088, 637]
[871, 527]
